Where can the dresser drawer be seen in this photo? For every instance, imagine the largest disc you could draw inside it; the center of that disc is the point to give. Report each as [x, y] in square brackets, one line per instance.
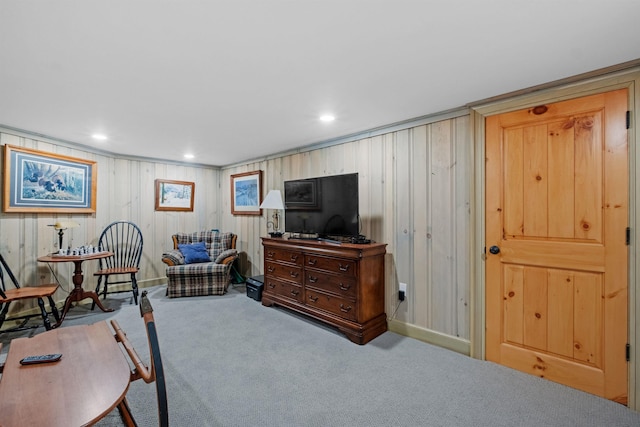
[333, 304]
[283, 271]
[283, 255]
[282, 288]
[332, 265]
[342, 285]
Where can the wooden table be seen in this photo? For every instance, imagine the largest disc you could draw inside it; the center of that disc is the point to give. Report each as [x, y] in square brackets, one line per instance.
[78, 293]
[85, 385]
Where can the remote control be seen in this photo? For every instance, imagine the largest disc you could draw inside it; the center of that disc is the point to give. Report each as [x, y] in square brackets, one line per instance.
[44, 358]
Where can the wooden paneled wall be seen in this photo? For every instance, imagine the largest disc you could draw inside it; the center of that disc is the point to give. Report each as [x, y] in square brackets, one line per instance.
[125, 190]
[414, 195]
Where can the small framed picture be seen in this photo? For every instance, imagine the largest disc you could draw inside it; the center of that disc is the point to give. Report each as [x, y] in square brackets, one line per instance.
[302, 194]
[246, 193]
[174, 195]
[37, 181]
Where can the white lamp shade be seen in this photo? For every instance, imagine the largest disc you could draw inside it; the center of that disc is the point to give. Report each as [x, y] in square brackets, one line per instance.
[272, 201]
[63, 225]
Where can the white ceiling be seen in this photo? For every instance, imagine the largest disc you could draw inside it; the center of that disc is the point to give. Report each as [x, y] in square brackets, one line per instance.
[236, 80]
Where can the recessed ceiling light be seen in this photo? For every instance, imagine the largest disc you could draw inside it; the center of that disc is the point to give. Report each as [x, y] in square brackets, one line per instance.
[327, 118]
[189, 156]
[99, 137]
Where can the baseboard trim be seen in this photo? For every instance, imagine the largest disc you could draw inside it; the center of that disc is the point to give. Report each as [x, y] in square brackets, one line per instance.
[456, 344]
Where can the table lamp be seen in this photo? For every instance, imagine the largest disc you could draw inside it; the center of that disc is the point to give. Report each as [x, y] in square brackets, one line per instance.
[274, 201]
[61, 226]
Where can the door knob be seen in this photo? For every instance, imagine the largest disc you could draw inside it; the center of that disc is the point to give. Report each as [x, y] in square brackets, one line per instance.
[494, 250]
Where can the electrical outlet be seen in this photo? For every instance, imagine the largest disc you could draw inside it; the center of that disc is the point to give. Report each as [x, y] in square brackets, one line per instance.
[402, 291]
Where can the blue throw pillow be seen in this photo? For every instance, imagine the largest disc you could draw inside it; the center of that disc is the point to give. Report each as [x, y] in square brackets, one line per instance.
[196, 252]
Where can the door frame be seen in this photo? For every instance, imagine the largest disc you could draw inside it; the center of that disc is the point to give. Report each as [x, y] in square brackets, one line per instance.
[604, 81]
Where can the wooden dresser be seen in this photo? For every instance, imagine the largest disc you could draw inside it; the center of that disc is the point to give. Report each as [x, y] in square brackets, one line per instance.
[339, 284]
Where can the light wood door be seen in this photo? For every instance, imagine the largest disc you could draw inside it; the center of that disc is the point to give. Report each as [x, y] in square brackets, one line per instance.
[557, 210]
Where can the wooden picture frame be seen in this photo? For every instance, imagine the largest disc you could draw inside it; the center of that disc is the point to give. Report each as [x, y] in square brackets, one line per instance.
[174, 195]
[302, 194]
[40, 182]
[246, 193]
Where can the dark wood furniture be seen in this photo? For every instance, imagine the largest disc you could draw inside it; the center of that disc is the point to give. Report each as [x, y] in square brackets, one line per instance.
[124, 240]
[77, 293]
[90, 380]
[339, 284]
[142, 371]
[17, 293]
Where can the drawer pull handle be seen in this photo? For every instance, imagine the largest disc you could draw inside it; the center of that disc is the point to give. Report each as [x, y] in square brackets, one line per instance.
[294, 292]
[344, 288]
[343, 267]
[313, 279]
[271, 285]
[270, 254]
[294, 257]
[313, 261]
[271, 269]
[345, 309]
[293, 273]
[312, 298]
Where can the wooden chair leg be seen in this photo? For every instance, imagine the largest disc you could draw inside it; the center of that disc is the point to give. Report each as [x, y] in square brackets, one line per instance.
[104, 288]
[45, 316]
[54, 309]
[125, 414]
[3, 313]
[134, 287]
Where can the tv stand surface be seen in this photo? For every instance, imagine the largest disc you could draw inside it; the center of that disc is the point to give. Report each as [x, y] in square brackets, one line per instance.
[335, 242]
[341, 285]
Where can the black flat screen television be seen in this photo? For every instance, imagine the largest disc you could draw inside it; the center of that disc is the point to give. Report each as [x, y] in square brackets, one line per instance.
[322, 207]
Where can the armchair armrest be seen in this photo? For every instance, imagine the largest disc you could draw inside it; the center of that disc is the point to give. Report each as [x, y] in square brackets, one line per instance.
[227, 257]
[141, 370]
[173, 257]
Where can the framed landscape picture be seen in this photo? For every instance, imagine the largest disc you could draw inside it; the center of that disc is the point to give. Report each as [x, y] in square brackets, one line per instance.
[302, 194]
[246, 193]
[37, 181]
[174, 195]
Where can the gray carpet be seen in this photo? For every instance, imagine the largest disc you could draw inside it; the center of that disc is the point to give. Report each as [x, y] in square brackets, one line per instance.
[229, 361]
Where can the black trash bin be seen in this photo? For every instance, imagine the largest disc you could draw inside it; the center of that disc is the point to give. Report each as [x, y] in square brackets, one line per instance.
[254, 287]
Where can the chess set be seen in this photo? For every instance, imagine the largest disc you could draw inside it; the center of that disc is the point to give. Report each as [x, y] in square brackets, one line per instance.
[84, 250]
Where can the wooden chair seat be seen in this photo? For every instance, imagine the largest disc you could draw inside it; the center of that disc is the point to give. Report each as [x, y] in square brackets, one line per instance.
[124, 240]
[28, 293]
[116, 270]
[17, 292]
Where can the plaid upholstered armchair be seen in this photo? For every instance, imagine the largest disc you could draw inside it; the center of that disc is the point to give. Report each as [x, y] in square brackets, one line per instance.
[200, 263]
